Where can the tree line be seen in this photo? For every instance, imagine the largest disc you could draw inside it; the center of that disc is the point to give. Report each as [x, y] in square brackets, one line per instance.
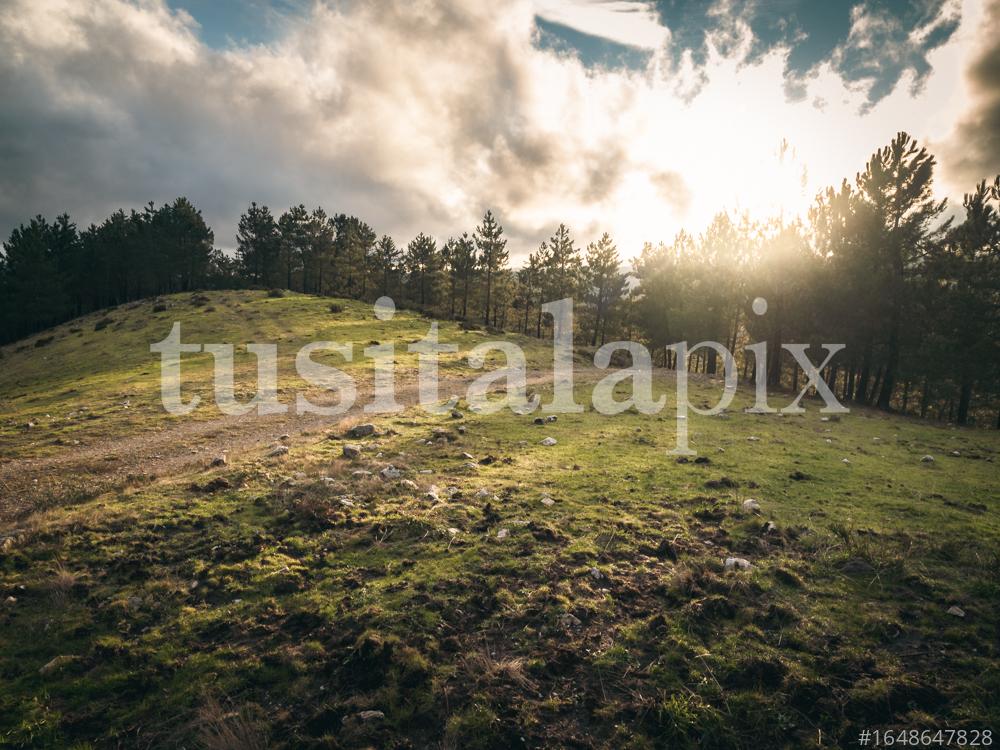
[875, 265]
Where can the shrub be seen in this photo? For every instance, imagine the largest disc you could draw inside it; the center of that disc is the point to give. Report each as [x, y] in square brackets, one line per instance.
[161, 307]
[336, 308]
[44, 341]
[102, 324]
[275, 293]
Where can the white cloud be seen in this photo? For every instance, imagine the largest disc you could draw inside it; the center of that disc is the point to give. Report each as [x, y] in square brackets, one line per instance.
[417, 116]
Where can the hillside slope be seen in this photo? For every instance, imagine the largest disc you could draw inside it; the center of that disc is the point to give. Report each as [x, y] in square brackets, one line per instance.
[459, 584]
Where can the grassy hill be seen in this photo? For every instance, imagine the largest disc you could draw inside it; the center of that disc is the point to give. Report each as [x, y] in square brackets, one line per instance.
[571, 595]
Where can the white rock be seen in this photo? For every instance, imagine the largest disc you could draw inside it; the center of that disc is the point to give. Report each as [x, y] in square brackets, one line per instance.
[956, 454]
[281, 450]
[502, 534]
[927, 460]
[470, 465]
[956, 611]
[361, 474]
[467, 456]
[483, 493]
[390, 472]
[751, 506]
[845, 461]
[409, 484]
[596, 574]
[453, 531]
[753, 438]
[876, 440]
[737, 563]
[569, 621]
[351, 450]
[548, 501]
[548, 441]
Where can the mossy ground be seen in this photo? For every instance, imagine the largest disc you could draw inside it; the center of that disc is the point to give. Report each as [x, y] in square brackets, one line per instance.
[278, 609]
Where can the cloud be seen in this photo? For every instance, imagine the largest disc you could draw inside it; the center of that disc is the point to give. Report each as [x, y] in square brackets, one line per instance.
[973, 153]
[417, 116]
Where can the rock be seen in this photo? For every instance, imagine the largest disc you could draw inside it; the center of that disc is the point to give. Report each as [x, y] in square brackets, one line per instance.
[856, 566]
[370, 716]
[219, 461]
[596, 574]
[768, 528]
[548, 441]
[503, 533]
[10, 600]
[456, 414]
[539, 420]
[453, 531]
[390, 472]
[351, 450]
[284, 438]
[219, 483]
[551, 418]
[409, 484]
[798, 476]
[134, 602]
[751, 506]
[956, 454]
[467, 456]
[736, 563]
[347, 502]
[461, 429]
[927, 460]
[835, 418]
[361, 430]
[845, 461]
[876, 440]
[956, 611]
[569, 621]
[361, 474]
[753, 439]
[548, 501]
[281, 450]
[470, 465]
[824, 419]
[57, 664]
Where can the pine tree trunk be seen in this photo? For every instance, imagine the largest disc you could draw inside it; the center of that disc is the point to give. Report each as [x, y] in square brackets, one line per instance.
[964, 400]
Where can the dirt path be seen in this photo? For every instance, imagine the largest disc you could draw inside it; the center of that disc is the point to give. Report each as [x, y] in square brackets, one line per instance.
[184, 445]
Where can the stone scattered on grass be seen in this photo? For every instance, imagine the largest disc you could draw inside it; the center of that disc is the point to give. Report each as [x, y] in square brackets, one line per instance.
[57, 664]
[751, 506]
[876, 440]
[569, 621]
[369, 716]
[548, 441]
[845, 461]
[736, 563]
[361, 474]
[467, 456]
[956, 454]
[456, 414]
[503, 533]
[596, 574]
[10, 600]
[361, 430]
[351, 450]
[470, 465]
[280, 450]
[548, 501]
[390, 472]
[927, 460]
[219, 461]
[956, 611]
[753, 439]
[409, 484]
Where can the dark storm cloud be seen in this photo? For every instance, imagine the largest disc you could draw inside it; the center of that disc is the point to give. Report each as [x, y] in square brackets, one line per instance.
[974, 153]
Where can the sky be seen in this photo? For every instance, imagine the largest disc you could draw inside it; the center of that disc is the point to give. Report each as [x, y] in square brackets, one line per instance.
[635, 118]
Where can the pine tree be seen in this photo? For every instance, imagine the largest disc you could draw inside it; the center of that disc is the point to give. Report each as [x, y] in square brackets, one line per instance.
[492, 256]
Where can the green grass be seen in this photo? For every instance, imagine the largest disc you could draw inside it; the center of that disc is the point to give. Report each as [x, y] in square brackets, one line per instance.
[276, 612]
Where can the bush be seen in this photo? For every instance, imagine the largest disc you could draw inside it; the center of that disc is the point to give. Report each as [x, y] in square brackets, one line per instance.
[102, 324]
[161, 307]
[336, 308]
[44, 341]
[275, 293]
